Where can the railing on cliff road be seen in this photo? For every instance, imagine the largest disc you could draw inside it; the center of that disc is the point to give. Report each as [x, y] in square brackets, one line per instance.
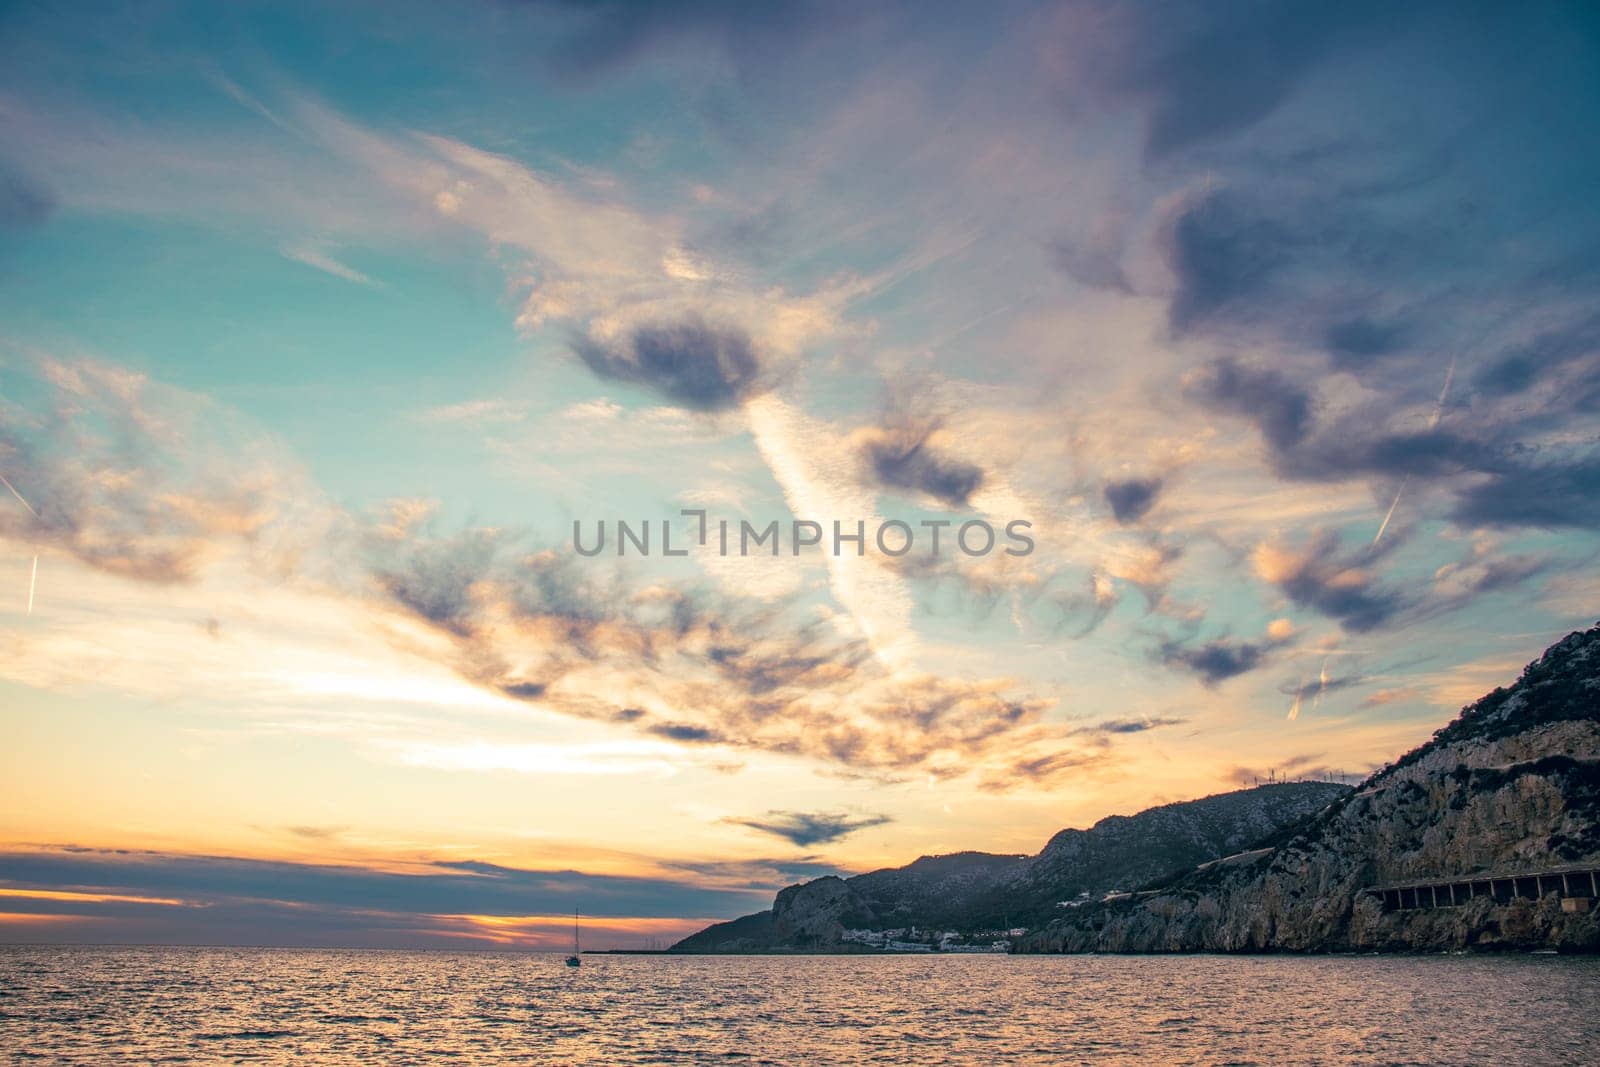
[1576, 885]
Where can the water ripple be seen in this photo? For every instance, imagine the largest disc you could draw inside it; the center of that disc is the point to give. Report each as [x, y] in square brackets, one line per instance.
[71, 1005]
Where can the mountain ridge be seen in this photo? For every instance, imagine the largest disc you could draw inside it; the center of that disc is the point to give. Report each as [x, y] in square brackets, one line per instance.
[971, 891]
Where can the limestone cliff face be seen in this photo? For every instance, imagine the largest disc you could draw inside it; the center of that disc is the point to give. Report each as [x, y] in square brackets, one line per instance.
[1134, 850]
[1512, 784]
[817, 913]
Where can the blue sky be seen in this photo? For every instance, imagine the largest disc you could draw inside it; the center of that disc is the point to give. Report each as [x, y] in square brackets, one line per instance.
[320, 326]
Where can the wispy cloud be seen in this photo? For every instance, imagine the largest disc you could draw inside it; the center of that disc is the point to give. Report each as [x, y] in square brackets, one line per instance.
[319, 256]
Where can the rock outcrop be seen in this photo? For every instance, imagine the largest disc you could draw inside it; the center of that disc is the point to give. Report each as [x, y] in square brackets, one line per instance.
[816, 914]
[1511, 785]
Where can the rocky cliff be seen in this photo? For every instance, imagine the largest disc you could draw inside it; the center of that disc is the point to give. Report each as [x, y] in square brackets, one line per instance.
[1511, 785]
[977, 891]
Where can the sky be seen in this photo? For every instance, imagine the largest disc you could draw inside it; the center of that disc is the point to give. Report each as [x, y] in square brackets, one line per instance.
[323, 326]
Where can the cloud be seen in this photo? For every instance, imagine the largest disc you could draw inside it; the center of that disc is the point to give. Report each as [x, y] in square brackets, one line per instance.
[1325, 577]
[316, 833]
[102, 456]
[1322, 686]
[1094, 259]
[905, 454]
[1358, 341]
[1132, 498]
[702, 367]
[1224, 657]
[317, 256]
[686, 732]
[1397, 695]
[1280, 409]
[1519, 367]
[754, 37]
[810, 828]
[1552, 495]
[435, 579]
[1047, 769]
[1133, 726]
[479, 412]
[1223, 258]
[1366, 257]
[1196, 72]
[140, 480]
[222, 899]
[1217, 660]
[717, 668]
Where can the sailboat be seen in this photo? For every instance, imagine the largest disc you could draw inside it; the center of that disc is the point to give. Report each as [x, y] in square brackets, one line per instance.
[573, 960]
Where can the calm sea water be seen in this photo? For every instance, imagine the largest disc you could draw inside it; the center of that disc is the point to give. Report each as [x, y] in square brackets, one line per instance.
[266, 1006]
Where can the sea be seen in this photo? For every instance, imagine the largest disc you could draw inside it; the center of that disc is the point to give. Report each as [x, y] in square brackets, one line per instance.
[135, 1005]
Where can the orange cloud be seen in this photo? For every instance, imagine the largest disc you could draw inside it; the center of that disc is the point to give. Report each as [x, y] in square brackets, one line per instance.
[95, 898]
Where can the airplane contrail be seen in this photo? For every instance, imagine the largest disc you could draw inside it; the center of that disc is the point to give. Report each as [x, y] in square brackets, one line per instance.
[1396, 503]
[1322, 684]
[1433, 423]
[20, 499]
[1438, 409]
[33, 578]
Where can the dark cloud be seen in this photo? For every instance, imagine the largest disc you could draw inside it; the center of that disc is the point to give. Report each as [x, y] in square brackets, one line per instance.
[1387, 250]
[1358, 341]
[810, 828]
[1553, 495]
[1134, 726]
[1208, 77]
[1339, 583]
[1344, 449]
[229, 899]
[701, 366]
[1280, 408]
[1131, 499]
[900, 456]
[1523, 364]
[1216, 660]
[686, 732]
[336, 892]
[610, 34]
[1223, 257]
